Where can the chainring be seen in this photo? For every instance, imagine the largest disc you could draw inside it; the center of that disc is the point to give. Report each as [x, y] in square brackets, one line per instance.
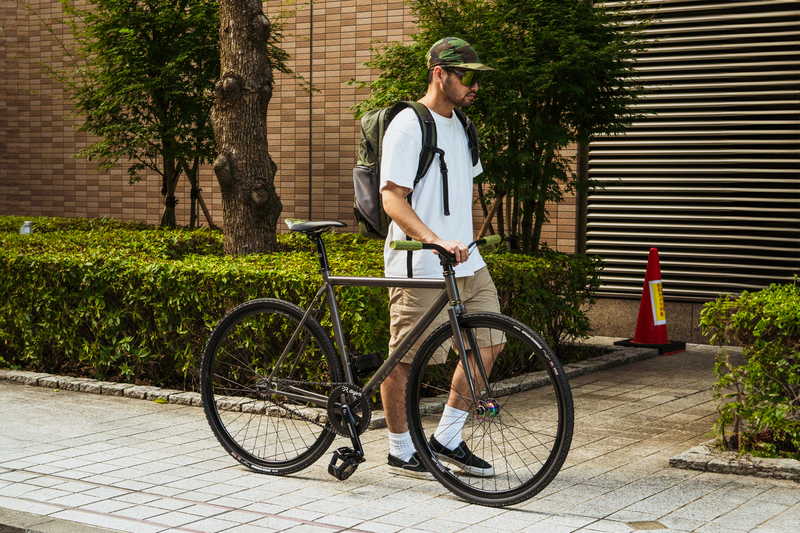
[352, 396]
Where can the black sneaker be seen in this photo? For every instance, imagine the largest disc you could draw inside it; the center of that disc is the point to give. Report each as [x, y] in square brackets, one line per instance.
[462, 458]
[411, 468]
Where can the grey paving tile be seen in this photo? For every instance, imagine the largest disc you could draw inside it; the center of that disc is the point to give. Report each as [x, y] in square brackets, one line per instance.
[74, 500]
[165, 491]
[274, 523]
[607, 526]
[110, 522]
[176, 518]
[375, 527]
[16, 504]
[246, 528]
[750, 515]
[204, 511]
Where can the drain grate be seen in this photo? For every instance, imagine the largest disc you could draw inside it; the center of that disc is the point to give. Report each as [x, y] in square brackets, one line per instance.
[646, 525]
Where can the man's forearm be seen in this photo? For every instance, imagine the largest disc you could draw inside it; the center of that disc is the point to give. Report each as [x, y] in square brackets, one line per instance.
[396, 206]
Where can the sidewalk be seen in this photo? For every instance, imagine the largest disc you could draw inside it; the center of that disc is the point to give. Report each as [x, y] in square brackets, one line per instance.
[70, 460]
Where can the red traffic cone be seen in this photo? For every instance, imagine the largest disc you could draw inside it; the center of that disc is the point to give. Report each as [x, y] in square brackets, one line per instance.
[651, 326]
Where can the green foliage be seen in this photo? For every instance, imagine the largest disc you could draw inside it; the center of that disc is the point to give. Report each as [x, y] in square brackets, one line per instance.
[760, 398]
[564, 74]
[547, 291]
[12, 224]
[141, 73]
[133, 302]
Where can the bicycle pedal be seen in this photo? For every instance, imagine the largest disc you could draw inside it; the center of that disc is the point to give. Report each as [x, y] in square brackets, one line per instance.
[367, 362]
[350, 459]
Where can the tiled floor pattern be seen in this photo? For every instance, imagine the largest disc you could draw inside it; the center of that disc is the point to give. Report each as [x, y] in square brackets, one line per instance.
[138, 466]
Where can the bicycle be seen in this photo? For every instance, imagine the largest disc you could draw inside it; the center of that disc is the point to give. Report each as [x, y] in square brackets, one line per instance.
[276, 391]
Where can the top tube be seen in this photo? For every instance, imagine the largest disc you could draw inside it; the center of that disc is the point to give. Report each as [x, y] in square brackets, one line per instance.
[315, 229]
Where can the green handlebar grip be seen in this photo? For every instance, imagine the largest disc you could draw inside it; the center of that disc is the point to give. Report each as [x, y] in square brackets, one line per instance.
[493, 239]
[405, 245]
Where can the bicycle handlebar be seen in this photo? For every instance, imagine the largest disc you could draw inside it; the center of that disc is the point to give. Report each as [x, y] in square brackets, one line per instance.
[416, 245]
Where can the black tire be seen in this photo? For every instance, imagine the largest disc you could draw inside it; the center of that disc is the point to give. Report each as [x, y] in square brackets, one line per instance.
[250, 424]
[527, 439]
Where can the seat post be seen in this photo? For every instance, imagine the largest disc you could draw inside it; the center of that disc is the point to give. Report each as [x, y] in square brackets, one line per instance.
[322, 254]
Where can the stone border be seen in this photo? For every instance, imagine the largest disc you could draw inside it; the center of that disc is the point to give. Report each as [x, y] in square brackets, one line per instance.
[707, 458]
[106, 388]
[619, 356]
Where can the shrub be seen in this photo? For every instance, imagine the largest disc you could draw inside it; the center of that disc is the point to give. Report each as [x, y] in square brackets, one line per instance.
[136, 302]
[10, 224]
[764, 405]
[546, 291]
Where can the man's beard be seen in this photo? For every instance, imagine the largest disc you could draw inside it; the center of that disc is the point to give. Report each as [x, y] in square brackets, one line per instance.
[452, 93]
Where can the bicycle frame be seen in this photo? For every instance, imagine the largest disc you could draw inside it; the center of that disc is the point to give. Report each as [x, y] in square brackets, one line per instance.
[449, 295]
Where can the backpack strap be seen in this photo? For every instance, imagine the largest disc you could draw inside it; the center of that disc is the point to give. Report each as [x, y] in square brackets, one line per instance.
[428, 128]
[426, 156]
[472, 135]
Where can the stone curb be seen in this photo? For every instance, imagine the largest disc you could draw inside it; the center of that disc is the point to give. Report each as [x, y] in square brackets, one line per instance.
[707, 459]
[106, 388]
[618, 357]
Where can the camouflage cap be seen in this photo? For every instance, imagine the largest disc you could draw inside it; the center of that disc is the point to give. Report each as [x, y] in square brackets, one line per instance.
[452, 52]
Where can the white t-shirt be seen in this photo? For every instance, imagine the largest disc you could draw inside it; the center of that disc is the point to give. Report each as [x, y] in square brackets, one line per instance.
[401, 148]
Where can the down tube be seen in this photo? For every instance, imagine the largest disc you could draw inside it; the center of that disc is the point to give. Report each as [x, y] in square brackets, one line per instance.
[405, 344]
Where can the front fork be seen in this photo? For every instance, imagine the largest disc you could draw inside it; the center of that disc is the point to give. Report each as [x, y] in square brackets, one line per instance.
[456, 310]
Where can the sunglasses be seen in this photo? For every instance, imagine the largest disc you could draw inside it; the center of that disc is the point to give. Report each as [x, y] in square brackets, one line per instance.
[468, 77]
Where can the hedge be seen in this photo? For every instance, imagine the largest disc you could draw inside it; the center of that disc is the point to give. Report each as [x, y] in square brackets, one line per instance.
[132, 302]
[760, 399]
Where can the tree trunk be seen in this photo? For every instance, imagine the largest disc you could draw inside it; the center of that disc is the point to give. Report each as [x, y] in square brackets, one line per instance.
[526, 240]
[170, 182]
[541, 204]
[244, 169]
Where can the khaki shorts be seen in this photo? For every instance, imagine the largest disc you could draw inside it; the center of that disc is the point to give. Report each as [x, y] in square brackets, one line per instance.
[406, 307]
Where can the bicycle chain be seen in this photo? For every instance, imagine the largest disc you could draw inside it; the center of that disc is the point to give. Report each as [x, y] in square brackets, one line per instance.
[327, 384]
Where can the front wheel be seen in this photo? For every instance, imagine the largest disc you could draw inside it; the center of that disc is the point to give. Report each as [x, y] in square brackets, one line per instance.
[256, 371]
[520, 427]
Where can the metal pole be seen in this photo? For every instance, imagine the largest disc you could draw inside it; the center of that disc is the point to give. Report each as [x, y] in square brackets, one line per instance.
[310, 104]
[582, 198]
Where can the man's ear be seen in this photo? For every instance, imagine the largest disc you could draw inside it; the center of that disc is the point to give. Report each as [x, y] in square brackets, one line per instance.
[439, 74]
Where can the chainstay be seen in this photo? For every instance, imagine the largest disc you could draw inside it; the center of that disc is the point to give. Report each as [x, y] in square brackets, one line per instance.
[324, 384]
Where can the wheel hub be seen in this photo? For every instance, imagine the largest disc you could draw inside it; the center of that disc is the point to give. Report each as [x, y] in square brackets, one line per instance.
[486, 409]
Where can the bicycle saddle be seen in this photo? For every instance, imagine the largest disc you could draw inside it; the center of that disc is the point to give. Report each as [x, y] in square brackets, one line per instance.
[310, 226]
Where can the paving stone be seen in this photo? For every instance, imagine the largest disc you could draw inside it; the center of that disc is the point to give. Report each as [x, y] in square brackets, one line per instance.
[186, 398]
[21, 376]
[52, 382]
[161, 394]
[706, 458]
[139, 392]
[116, 389]
[95, 387]
[74, 384]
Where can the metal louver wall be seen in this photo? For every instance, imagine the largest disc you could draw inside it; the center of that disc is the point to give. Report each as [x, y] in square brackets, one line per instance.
[712, 178]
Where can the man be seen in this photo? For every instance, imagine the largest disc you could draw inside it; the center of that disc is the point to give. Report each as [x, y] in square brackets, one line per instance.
[454, 75]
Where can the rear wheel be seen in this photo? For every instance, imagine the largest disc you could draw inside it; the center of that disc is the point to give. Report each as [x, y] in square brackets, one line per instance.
[245, 382]
[521, 426]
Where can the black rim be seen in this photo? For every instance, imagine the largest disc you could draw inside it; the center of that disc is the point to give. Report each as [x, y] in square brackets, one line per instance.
[239, 431]
[497, 435]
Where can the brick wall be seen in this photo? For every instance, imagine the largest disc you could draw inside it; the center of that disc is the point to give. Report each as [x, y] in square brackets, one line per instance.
[38, 135]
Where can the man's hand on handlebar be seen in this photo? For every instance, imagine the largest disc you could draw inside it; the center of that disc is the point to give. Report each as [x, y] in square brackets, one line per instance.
[459, 250]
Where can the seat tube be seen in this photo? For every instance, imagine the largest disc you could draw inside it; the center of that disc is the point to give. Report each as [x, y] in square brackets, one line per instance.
[338, 332]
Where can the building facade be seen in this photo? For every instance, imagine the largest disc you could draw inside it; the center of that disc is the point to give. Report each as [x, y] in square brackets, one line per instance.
[312, 138]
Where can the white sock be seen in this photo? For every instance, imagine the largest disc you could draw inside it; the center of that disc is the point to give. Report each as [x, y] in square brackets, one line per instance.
[400, 445]
[448, 434]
